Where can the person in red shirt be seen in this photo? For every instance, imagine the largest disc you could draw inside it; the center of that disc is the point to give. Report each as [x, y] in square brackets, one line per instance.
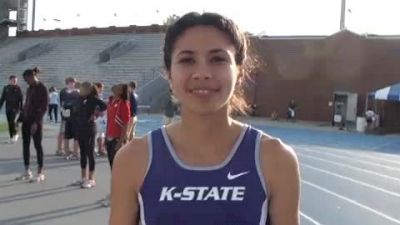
[118, 117]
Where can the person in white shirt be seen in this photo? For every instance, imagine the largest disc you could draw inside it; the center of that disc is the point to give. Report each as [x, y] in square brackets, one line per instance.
[370, 117]
[54, 102]
[101, 123]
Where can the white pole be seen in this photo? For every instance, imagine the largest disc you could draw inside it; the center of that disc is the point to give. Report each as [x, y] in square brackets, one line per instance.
[343, 16]
[33, 14]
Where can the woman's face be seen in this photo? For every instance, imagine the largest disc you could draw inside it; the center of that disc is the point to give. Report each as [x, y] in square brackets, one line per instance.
[117, 90]
[29, 79]
[13, 81]
[203, 70]
[71, 85]
[84, 91]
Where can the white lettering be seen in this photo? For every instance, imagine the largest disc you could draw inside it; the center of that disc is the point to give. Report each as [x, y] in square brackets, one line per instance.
[238, 193]
[225, 193]
[201, 193]
[213, 194]
[188, 193]
[166, 193]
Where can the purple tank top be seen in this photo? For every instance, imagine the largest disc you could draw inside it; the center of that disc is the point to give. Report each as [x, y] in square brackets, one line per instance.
[232, 193]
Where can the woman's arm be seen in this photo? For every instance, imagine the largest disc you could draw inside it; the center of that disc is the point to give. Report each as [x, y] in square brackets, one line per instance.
[128, 173]
[20, 99]
[102, 106]
[281, 173]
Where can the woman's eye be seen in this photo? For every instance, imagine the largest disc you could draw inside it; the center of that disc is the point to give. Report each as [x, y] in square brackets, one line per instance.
[218, 59]
[186, 60]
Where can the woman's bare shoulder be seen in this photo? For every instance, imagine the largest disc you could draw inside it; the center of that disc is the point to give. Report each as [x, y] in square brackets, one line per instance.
[274, 147]
[133, 160]
[279, 163]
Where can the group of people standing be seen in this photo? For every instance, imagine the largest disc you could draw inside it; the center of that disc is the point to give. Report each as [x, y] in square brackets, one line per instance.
[86, 118]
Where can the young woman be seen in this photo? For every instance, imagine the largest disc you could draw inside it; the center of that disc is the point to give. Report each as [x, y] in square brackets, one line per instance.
[118, 118]
[88, 106]
[34, 108]
[206, 168]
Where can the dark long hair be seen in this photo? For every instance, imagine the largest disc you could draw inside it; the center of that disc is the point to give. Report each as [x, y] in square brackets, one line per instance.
[92, 89]
[31, 72]
[125, 93]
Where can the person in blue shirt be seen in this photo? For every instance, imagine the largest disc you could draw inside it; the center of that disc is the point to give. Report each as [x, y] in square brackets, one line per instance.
[206, 168]
[134, 101]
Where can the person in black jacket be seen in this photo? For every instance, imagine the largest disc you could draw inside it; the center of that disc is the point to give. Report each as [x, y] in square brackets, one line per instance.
[35, 107]
[88, 108]
[12, 96]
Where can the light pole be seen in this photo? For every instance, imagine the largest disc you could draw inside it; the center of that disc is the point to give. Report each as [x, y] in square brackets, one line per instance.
[33, 14]
[343, 16]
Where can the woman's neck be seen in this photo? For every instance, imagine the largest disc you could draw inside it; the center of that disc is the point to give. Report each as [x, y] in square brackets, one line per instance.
[205, 128]
[204, 139]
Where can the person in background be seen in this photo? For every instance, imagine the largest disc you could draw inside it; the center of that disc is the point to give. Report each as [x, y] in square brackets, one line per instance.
[101, 122]
[134, 102]
[34, 109]
[54, 101]
[170, 108]
[291, 113]
[118, 113]
[370, 117]
[12, 96]
[89, 105]
[77, 86]
[69, 98]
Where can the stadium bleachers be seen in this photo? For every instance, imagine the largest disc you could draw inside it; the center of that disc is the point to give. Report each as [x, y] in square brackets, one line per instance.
[78, 56]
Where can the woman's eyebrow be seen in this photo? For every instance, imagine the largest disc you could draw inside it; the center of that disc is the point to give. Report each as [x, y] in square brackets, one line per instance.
[184, 52]
[217, 50]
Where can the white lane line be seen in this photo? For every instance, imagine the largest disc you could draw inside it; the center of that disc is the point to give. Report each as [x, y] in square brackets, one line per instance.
[353, 180]
[359, 153]
[381, 214]
[351, 167]
[353, 159]
[309, 219]
[377, 147]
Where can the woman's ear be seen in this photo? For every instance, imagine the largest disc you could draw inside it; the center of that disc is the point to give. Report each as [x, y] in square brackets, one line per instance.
[168, 77]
